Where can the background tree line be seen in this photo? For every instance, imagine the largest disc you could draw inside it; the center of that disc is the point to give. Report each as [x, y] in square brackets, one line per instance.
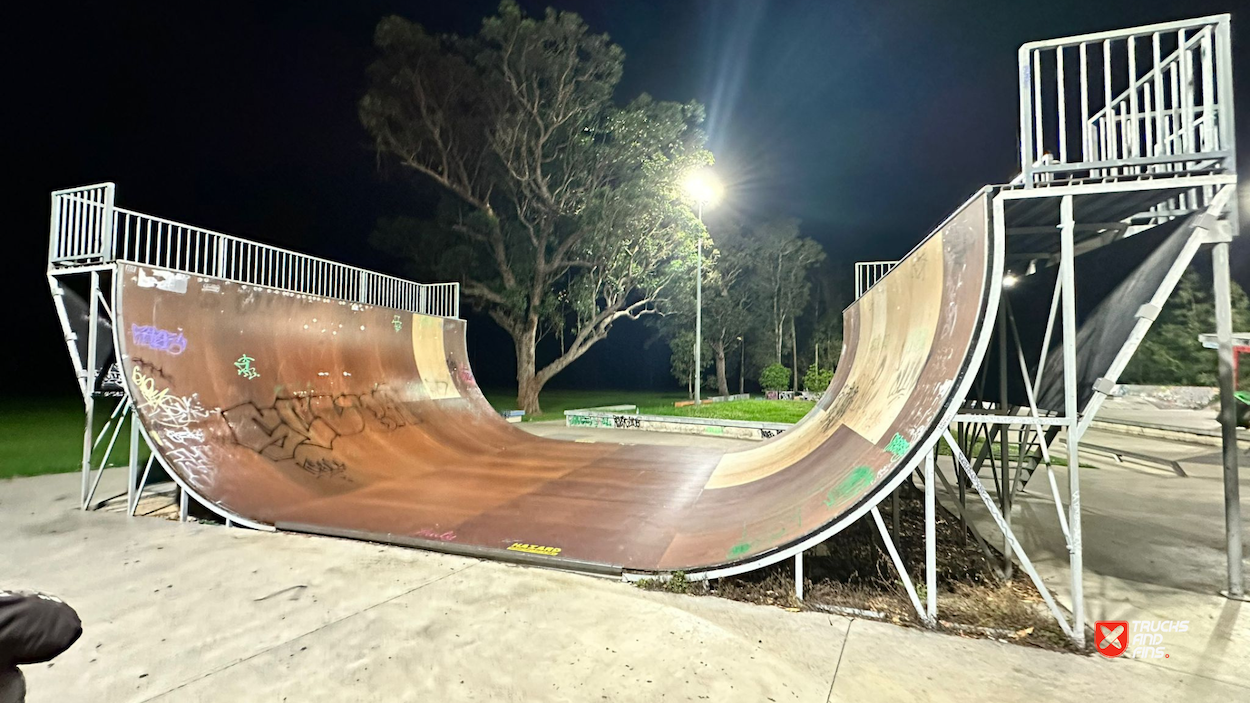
[562, 212]
[770, 298]
[1171, 354]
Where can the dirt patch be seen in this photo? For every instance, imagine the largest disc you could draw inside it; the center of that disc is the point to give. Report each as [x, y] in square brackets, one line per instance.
[852, 574]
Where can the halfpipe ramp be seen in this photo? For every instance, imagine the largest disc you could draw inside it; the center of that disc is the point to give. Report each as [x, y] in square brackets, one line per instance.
[287, 410]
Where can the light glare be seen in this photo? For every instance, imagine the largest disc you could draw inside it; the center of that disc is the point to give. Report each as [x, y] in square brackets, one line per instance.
[704, 188]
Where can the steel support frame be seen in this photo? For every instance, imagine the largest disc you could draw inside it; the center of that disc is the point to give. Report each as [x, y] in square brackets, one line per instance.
[1235, 586]
[1063, 312]
[88, 372]
[996, 424]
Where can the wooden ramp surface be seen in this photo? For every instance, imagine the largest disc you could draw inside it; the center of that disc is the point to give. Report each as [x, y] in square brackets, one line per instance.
[283, 409]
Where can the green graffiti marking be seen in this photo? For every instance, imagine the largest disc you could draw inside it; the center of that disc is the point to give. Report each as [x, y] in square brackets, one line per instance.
[898, 446]
[244, 365]
[739, 549]
[856, 481]
[589, 421]
[397, 323]
[714, 430]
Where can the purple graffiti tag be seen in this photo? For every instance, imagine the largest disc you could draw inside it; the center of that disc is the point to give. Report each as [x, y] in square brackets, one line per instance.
[156, 338]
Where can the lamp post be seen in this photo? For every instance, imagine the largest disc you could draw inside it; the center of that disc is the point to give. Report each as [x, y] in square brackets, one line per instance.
[705, 190]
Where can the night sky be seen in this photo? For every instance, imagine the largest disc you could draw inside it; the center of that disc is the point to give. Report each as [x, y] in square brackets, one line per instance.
[869, 121]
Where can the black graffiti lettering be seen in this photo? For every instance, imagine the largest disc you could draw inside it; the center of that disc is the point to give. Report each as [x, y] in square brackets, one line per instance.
[341, 414]
[304, 428]
[901, 387]
[322, 467]
[267, 432]
[626, 422]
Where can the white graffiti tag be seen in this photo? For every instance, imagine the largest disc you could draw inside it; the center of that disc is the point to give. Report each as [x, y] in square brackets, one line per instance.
[163, 280]
[173, 419]
[191, 459]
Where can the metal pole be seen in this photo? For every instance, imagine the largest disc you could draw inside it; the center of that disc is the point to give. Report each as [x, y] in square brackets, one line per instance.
[961, 462]
[698, 317]
[898, 565]
[133, 474]
[89, 371]
[1066, 253]
[798, 576]
[1228, 418]
[930, 539]
[104, 460]
[143, 482]
[1004, 462]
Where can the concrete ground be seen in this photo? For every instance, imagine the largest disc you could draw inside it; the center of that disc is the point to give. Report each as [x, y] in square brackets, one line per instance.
[189, 612]
[556, 429]
[1153, 546]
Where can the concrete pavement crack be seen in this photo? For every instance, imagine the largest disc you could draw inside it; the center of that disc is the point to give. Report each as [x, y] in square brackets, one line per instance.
[845, 638]
[336, 621]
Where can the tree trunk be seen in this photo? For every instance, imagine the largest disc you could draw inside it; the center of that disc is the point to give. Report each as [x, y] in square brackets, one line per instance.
[742, 364]
[528, 385]
[794, 349]
[780, 329]
[722, 384]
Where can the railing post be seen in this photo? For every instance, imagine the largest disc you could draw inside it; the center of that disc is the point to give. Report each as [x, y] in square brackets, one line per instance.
[106, 223]
[1026, 117]
[1224, 95]
[456, 300]
[220, 264]
[54, 230]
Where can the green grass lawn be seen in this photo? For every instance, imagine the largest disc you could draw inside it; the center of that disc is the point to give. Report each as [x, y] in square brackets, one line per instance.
[756, 410]
[555, 402]
[44, 436]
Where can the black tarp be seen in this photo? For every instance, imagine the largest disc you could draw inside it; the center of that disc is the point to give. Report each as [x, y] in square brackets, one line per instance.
[78, 313]
[1112, 283]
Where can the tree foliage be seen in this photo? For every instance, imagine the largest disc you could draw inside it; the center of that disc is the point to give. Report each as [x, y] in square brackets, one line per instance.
[1171, 353]
[681, 359]
[783, 259]
[564, 212]
[816, 380]
[775, 377]
[828, 300]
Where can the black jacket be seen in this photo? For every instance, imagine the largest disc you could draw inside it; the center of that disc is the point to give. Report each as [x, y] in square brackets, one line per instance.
[34, 628]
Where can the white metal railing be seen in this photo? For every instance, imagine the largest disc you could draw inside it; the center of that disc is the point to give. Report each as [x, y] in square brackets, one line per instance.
[1142, 102]
[79, 235]
[79, 228]
[867, 273]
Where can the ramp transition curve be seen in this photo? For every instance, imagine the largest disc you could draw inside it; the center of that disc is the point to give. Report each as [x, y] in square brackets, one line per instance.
[280, 409]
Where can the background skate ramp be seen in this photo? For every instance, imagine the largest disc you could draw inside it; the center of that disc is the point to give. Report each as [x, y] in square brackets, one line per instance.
[325, 416]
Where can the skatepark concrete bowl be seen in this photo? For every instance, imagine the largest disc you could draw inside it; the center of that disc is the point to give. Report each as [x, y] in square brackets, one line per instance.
[286, 411]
